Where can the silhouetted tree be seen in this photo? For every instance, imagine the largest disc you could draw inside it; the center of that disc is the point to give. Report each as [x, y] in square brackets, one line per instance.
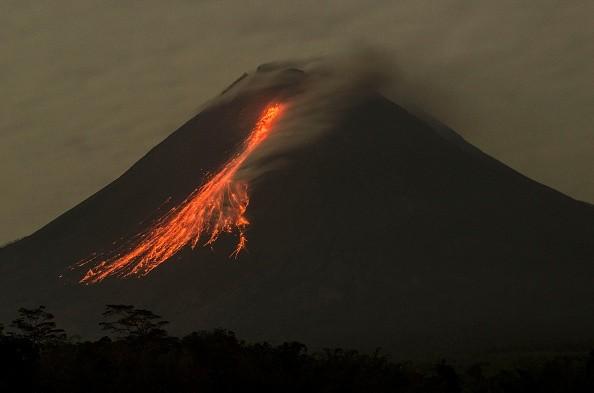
[38, 326]
[19, 360]
[131, 322]
[476, 378]
[444, 379]
[217, 361]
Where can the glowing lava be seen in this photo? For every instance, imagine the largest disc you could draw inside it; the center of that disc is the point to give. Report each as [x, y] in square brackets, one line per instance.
[217, 206]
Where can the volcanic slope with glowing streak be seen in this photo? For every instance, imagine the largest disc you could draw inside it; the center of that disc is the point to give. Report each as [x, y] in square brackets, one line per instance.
[217, 206]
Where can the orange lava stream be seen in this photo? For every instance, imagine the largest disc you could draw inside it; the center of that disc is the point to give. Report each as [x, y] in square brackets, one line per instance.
[217, 206]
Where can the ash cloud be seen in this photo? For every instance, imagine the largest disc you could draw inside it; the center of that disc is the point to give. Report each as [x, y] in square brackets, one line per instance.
[327, 86]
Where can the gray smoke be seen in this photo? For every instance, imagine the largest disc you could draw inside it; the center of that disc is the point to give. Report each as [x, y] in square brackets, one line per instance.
[327, 87]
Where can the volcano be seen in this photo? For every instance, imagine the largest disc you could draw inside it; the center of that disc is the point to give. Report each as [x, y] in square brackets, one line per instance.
[385, 230]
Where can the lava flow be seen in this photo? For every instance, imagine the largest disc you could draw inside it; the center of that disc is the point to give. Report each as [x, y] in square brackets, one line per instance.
[217, 206]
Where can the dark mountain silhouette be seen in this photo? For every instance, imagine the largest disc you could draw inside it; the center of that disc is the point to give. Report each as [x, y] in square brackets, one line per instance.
[387, 231]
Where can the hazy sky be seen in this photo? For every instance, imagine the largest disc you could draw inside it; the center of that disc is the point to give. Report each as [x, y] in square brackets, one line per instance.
[89, 86]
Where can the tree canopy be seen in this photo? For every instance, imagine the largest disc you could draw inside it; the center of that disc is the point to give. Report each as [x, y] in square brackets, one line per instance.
[38, 326]
[130, 322]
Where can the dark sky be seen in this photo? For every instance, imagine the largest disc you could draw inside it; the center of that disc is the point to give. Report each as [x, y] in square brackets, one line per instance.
[88, 87]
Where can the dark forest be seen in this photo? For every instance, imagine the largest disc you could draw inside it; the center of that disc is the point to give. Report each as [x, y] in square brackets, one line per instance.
[138, 355]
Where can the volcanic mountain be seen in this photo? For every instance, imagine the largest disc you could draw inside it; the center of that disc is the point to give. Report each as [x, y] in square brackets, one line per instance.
[385, 230]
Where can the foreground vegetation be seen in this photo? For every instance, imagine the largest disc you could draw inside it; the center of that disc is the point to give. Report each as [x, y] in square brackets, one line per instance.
[137, 355]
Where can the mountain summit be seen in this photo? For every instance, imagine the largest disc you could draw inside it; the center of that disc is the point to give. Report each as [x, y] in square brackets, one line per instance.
[381, 229]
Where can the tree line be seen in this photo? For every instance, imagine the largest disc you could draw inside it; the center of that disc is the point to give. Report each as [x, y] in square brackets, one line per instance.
[138, 355]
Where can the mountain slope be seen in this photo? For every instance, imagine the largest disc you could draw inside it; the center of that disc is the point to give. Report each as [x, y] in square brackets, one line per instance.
[386, 231]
